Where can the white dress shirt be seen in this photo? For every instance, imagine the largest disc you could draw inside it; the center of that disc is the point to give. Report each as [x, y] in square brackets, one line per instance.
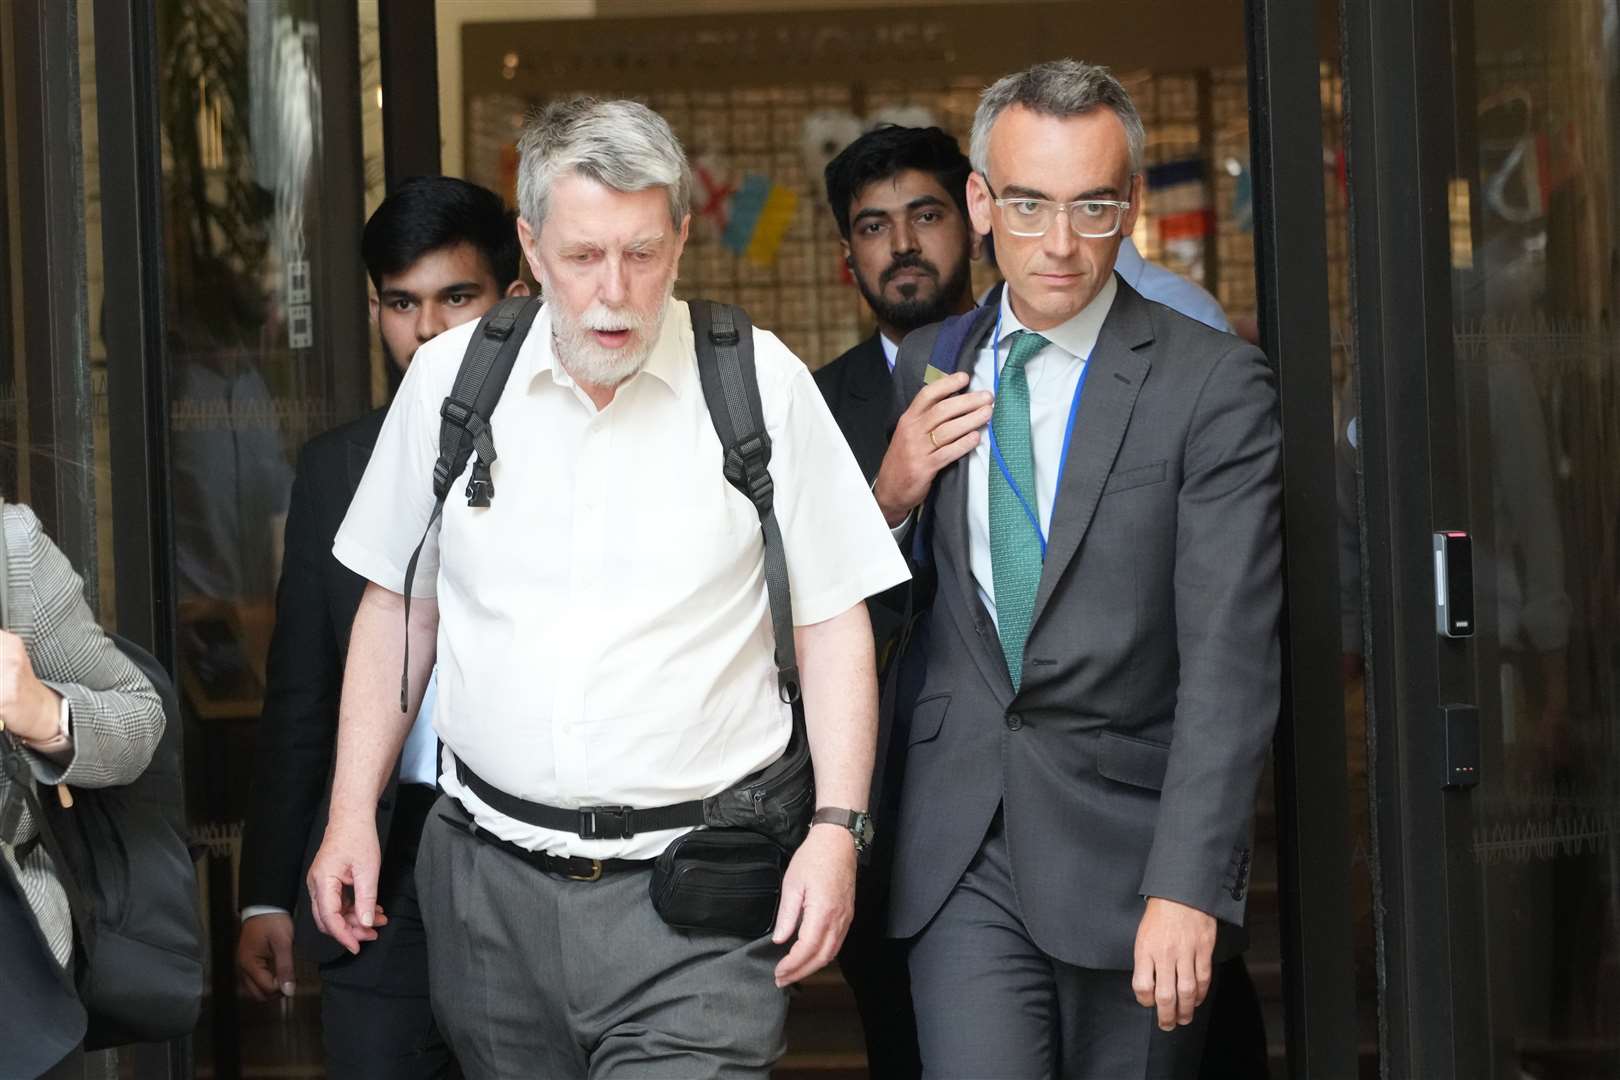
[891, 349]
[1053, 374]
[604, 634]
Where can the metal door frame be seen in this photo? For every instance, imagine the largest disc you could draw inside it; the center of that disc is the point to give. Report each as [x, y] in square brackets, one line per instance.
[1312, 787]
[1401, 116]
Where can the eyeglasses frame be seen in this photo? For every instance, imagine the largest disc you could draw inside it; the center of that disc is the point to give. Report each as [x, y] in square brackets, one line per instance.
[1062, 207]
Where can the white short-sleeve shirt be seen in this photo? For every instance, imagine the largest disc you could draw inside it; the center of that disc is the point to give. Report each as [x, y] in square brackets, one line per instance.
[604, 633]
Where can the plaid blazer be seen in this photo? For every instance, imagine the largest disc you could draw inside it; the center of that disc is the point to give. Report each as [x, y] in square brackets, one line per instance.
[116, 716]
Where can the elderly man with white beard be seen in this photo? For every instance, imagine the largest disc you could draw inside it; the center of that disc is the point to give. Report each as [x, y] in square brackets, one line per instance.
[604, 643]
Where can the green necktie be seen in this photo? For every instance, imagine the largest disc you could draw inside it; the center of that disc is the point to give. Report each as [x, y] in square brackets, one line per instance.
[1015, 542]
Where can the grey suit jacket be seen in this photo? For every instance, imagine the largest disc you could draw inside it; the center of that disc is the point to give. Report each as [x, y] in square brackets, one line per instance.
[116, 716]
[1127, 763]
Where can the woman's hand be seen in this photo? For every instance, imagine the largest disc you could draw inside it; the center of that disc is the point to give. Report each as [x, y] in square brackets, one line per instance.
[29, 709]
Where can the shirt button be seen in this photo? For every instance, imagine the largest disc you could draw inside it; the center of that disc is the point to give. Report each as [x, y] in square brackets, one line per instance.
[1014, 722]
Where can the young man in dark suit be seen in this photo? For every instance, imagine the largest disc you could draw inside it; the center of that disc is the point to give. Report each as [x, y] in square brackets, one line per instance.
[1098, 480]
[899, 196]
[440, 252]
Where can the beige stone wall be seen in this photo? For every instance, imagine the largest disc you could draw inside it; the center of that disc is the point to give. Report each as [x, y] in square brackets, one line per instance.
[453, 15]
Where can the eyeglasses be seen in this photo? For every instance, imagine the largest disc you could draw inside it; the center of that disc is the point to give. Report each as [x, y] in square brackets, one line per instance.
[1092, 219]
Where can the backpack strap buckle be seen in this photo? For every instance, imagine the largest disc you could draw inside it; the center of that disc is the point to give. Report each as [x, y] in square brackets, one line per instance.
[480, 485]
[441, 478]
[457, 412]
[747, 468]
[499, 327]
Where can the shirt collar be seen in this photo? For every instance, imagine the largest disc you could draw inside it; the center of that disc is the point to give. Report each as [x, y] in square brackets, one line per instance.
[670, 361]
[1077, 336]
[890, 349]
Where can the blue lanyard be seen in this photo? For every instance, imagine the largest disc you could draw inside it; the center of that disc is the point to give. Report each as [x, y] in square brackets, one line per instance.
[1068, 436]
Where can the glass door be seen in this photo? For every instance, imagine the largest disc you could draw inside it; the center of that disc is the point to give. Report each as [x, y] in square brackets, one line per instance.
[1485, 200]
[1536, 273]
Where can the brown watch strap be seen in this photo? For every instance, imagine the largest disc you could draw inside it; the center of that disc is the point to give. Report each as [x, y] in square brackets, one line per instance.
[834, 815]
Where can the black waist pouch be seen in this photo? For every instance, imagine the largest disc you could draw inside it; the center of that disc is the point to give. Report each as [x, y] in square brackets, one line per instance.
[723, 880]
[776, 801]
[728, 877]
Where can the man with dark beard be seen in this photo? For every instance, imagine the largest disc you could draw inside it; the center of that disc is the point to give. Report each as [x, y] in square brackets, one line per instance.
[899, 196]
[440, 252]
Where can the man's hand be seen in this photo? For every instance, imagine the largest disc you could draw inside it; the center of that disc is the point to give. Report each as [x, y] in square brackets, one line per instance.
[1174, 944]
[29, 709]
[349, 856]
[264, 957]
[940, 426]
[818, 900]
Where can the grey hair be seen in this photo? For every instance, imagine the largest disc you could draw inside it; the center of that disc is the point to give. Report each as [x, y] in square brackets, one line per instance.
[1060, 88]
[621, 144]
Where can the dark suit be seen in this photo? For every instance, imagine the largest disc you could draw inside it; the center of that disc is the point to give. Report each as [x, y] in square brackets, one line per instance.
[43, 1021]
[859, 390]
[1127, 763]
[377, 1020]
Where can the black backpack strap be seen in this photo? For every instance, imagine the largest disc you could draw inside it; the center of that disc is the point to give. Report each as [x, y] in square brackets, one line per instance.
[465, 427]
[725, 358]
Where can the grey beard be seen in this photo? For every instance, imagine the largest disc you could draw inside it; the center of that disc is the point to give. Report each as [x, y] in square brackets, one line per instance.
[593, 365]
[590, 363]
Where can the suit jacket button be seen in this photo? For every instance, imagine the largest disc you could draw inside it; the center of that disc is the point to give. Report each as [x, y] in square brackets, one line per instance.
[1014, 722]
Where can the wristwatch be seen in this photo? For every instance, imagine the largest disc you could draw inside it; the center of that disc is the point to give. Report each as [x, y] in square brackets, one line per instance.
[859, 824]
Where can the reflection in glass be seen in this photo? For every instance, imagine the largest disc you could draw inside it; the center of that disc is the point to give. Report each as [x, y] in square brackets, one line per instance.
[256, 283]
[1534, 303]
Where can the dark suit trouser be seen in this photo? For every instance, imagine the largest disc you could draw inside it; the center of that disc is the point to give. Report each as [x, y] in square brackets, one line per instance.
[874, 965]
[990, 1003]
[376, 1017]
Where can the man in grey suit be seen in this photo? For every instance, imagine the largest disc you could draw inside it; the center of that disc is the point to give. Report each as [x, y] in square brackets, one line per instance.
[1100, 658]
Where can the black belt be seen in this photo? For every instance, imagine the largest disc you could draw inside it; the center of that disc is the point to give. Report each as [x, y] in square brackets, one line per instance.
[585, 822]
[572, 867]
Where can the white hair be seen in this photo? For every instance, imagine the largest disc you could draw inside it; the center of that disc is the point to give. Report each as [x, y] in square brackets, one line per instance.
[621, 144]
[1060, 88]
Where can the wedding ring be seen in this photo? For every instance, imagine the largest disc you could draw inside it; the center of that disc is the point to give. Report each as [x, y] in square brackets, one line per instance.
[931, 440]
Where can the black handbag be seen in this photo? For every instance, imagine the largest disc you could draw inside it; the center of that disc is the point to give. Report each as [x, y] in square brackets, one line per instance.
[121, 856]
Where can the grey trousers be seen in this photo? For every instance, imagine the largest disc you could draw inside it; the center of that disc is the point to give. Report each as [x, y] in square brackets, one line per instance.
[537, 976]
[992, 1006]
